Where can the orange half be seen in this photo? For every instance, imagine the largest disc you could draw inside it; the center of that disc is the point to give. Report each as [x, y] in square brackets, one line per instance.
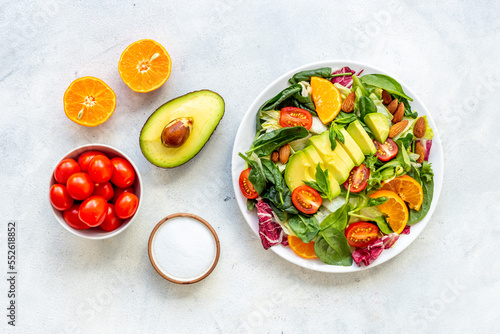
[89, 101]
[144, 66]
[408, 189]
[327, 99]
[301, 248]
[394, 209]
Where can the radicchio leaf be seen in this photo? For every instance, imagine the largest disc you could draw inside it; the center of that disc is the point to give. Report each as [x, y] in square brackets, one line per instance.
[371, 252]
[345, 81]
[270, 231]
[406, 230]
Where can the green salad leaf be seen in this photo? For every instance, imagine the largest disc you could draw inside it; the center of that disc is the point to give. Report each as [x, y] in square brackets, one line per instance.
[270, 141]
[322, 183]
[385, 82]
[323, 72]
[305, 228]
[256, 176]
[331, 247]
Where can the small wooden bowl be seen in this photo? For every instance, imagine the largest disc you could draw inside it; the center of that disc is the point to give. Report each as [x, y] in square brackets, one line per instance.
[172, 279]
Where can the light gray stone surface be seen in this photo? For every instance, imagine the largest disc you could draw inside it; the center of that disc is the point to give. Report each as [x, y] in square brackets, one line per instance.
[446, 281]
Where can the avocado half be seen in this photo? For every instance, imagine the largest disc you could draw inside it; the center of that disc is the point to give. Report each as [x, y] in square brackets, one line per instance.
[204, 107]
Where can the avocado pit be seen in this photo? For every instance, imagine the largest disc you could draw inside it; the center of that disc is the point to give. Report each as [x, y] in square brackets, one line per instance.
[176, 132]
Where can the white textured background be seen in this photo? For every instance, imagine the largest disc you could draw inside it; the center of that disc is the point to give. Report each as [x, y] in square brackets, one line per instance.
[446, 281]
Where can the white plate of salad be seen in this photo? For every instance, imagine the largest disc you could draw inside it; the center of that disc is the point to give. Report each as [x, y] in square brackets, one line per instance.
[337, 166]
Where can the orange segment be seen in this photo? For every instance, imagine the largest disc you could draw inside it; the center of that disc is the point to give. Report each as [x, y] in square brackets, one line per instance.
[301, 248]
[89, 101]
[144, 66]
[327, 99]
[394, 209]
[408, 189]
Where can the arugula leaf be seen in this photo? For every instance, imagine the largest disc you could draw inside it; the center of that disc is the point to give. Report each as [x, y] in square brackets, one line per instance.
[385, 82]
[331, 247]
[337, 219]
[305, 228]
[366, 106]
[322, 183]
[256, 177]
[270, 141]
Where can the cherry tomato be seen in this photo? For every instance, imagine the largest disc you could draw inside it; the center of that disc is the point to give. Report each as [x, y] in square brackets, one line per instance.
[72, 219]
[59, 197]
[358, 178]
[306, 199]
[292, 116]
[86, 157]
[246, 186]
[126, 205]
[100, 169]
[119, 191]
[111, 222]
[93, 211]
[80, 186]
[123, 173]
[65, 169]
[105, 190]
[361, 234]
[387, 150]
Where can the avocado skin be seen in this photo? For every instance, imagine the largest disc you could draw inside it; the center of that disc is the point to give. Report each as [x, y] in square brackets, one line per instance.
[210, 136]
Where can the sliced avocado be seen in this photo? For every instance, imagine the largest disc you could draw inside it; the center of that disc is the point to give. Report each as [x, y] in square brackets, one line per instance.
[205, 108]
[341, 152]
[360, 136]
[379, 124]
[332, 161]
[314, 158]
[352, 148]
[334, 185]
[297, 170]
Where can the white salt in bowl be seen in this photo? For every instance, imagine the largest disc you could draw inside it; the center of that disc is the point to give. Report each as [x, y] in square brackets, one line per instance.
[184, 248]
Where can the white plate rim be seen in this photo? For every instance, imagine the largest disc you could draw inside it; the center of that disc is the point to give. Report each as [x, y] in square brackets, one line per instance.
[241, 144]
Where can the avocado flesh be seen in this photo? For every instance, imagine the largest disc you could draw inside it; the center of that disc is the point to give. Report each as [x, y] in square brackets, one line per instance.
[352, 148]
[361, 137]
[379, 125]
[297, 170]
[204, 107]
[336, 167]
[314, 158]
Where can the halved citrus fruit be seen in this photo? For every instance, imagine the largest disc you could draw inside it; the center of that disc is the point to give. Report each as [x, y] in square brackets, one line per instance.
[144, 66]
[327, 99]
[394, 209]
[301, 248]
[89, 101]
[408, 189]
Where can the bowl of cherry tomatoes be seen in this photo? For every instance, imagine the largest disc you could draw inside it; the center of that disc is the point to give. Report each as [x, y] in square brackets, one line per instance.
[95, 191]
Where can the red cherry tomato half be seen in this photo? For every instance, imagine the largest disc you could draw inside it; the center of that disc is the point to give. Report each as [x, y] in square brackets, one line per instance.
[126, 205]
[65, 169]
[86, 157]
[71, 218]
[292, 116]
[80, 186]
[105, 190]
[59, 197]
[306, 199]
[111, 222]
[387, 150]
[361, 234]
[119, 191]
[100, 169]
[358, 178]
[123, 173]
[93, 211]
[246, 186]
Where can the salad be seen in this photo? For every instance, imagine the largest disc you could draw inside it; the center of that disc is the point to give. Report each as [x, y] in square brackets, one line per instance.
[338, 168]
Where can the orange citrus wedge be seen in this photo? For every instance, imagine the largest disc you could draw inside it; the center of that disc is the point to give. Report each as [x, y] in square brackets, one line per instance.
[408, 189]
[144, 66]
[394, 209]
[89, 101]
[327, 99]
[301, 248]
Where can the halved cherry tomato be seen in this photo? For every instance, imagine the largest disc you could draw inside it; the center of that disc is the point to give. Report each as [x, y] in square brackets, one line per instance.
[80, 186]
[292, 116]
[100, 169]
[93, 211]
[65, 169]
[59, 197]
[119, 191]
[246, 186]
[85, 158]
[72, 219]
[306, 199]
[126, 205]
[387, 150]
[361, 234]
[358, 178]
[105, 190]
[111, 222]
[123, 173]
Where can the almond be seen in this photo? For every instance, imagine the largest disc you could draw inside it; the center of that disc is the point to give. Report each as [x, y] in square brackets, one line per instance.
[386, 97]
[393, 106]
[284, 153]
[397, 128]
[420, 150]
[400, 112]
[348, 105]
[419, 129]
[275, 157]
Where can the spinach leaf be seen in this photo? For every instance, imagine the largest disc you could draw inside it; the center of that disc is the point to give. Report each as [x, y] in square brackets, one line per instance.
[251, 204]
[337, 219]
[256, 177]
[407, 140]
[272, 174]
[382, 224]
[324, 72]
[408, 112]
[331, 247]
[305, 102]
[335, 134]
[366, 106]
[305, 228]
[345, 118]
[282, 201]
[356, 83]
[281, 214]
[385, 82]
[297, 104]
[322, 183]
[272, 103]
[270, 141]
